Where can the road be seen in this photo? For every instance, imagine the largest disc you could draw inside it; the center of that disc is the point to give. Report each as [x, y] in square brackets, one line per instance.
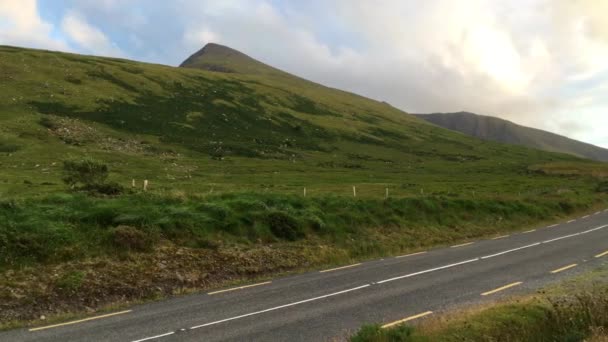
[330, 304]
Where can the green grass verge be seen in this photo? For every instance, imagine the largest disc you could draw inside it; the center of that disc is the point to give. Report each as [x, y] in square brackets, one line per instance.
[71, 226]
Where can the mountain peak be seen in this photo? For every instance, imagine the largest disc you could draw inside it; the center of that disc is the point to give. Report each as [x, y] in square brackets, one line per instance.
[220, 58]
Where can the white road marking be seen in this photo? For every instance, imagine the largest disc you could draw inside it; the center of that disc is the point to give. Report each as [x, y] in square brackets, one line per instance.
[280, 307]
[571, 221]
[501, 237]
[599, 212]
[339, 268]
[428, 271]
[409, 255]
[594, 229]
[529, 231]
[586, 217]
[554, 225]
[562, 237]
[155, 337]
[510, 251]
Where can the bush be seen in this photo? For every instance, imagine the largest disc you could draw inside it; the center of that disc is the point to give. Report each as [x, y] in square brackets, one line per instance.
[131, 239]
[110, 189]
[602, 187]
[86, 173]
[284, 226]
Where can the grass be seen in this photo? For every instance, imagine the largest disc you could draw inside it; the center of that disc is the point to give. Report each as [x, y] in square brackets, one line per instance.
[73, 226]
[576, 310]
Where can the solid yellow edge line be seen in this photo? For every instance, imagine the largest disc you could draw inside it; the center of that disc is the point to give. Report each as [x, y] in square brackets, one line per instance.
[502, 288]
[238, 288]
[564, 268]
[80, 321]
[602, 254]
[407, 319]
[339, 268]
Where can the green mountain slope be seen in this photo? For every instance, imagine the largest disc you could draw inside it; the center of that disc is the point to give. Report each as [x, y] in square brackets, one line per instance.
[495, 129]
[250, 129]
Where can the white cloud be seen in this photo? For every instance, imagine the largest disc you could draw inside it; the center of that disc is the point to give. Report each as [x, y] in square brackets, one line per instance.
[88, 37]
[21, 25]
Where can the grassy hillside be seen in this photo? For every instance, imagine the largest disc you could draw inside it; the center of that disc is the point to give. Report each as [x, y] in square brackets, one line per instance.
[228, 151]
[495, 129]
[194, 130]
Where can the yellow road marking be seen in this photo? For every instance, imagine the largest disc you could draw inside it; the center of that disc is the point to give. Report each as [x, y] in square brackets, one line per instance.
[80, 321]
[462, 245]
[502, 288]
[238, 288]
[501, 237]
[602, 254]
[408, 255]
[564, 268]
[407, 319]
[339, 268]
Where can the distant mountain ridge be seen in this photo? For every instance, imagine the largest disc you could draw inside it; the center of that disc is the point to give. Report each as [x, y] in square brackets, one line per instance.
[496, 129]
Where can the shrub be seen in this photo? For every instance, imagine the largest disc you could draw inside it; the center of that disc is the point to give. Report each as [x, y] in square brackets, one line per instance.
[131, 239]
[602, 187]
[110, 189]
[86, 172]
[284, 226]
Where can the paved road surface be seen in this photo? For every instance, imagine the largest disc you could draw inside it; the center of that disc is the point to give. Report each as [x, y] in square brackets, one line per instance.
[319, 306]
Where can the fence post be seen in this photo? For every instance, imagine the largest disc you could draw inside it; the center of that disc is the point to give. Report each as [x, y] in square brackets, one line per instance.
[146, 185]
[132, 183]
[304, 191]
[386, 195]
[354, 191]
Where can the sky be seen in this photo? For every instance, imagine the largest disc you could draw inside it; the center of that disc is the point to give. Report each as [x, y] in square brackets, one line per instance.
[540, 63]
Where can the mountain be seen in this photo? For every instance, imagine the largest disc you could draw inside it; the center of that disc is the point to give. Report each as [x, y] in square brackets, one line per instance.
[226, 122]
[495, 129]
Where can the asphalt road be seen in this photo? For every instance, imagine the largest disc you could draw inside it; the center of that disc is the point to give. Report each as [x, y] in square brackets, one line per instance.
[329, 304]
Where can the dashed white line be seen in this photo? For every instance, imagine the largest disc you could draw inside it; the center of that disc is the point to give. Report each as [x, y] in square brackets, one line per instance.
[501, 237]
[586, 217]
[571, 221]
[428, 271]
[155, 337]
[280, 307]
[553, 225]
[529, 231]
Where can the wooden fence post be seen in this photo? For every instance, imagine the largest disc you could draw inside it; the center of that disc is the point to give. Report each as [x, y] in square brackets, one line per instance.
[146, 185]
